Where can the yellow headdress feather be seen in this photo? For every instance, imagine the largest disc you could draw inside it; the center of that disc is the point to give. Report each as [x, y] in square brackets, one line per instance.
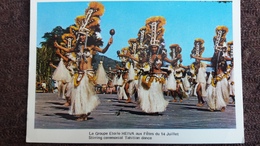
[98, 9]
[63, 44]
[155, 30]
[223, 28]
[198, 50]
[124, 49]
[73, 29]
[174, 46]
[192, 67]
[199, 40]
[69, 37]
[131, 41]
[230, 43]
[161, 21]
[80, 20]
[91, 17]
[93, 22]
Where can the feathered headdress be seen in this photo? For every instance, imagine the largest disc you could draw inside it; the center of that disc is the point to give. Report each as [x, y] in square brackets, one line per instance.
[220, 38]
[224, 30]
[155, 30]
[142, 38]
[175, 50]
[91, 17]
[198, 48]
[124, 51]
[69, 39]
[133, 45]
[230, 48]
[200, 41]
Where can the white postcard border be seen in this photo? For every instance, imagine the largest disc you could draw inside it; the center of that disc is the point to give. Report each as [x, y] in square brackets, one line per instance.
[179, 136]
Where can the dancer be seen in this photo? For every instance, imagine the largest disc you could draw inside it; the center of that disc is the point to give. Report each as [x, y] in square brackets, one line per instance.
[135, 56]
[174, 80]
[123, 86]
[151, 77]
[199, 71]
[231, 80]
[218, 91]
[65, 71]
[122, 92]
[62, 76]
[84, 98]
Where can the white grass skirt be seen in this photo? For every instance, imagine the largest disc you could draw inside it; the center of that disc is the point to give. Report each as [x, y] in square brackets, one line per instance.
[83, 97]
[152, 100]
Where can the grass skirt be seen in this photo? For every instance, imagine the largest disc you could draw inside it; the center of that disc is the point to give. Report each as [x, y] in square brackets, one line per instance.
[171, 82]
[217, 97]
[70, 88]
[121, 94]
[152, 100]
[83, 97]
[61, 73]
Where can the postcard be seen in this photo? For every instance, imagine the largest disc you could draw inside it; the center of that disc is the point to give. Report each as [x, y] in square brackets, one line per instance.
[136, 72]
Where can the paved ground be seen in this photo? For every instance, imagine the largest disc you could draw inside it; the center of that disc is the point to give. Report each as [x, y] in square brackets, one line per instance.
[113, 114]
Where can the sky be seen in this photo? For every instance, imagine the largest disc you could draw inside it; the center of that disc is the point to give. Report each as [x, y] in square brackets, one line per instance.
[185, 21]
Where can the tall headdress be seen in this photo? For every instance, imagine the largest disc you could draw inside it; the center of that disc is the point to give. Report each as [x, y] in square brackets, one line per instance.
[155, 30]
[220, 38]
[124, 51]
[85, 24]
[198, 48]
[230, 49]
[142, 38]
[69, 40]
[175, 50]
[133, 45]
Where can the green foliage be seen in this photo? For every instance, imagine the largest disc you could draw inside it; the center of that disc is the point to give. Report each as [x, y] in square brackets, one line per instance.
[46, 54]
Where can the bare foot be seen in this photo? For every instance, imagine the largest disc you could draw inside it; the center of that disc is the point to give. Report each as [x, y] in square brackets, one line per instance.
[174, 100]
[83, 117]
[200, 104]
[223, 109]
[128, 100]
[66, 104]
[80, 119]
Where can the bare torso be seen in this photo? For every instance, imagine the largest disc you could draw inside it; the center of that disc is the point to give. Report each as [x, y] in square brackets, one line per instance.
[157, 69]
[87, 64]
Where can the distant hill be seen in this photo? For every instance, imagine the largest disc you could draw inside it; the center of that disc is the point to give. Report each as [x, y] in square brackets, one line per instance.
[107, 62]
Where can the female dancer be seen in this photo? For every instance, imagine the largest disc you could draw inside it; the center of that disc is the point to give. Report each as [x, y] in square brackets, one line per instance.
[83, 97]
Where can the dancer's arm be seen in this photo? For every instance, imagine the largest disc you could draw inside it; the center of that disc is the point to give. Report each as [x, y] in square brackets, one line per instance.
[173, 61]
[52, 65]
[128, 55]
[63, 48]
[106, 48]
[185, 67]
[62, 56]
[201, 58]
